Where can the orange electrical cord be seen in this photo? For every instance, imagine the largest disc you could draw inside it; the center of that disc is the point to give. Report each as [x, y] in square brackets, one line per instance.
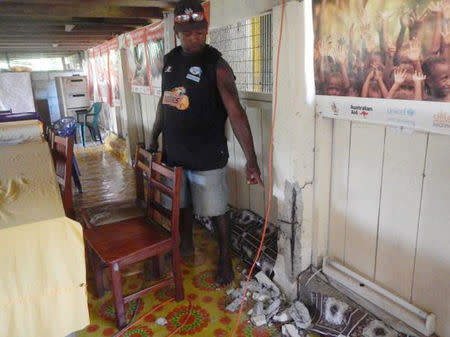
[269, 204]
[143, 317]
[184, 322]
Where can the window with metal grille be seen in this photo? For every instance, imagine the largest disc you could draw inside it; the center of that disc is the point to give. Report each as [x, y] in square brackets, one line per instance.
[247, 47]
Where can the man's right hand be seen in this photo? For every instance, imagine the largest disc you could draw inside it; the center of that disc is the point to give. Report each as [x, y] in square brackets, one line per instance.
[153, 146]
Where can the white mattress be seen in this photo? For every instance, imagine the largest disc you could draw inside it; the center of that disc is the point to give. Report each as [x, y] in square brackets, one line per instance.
[28, 188]
[12, 133]
[16, 92]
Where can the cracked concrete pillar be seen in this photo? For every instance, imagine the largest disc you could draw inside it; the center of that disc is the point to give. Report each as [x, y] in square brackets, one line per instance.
[293, 150]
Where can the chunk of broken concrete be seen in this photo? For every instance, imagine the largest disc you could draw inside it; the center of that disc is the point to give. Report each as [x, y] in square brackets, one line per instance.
[161, 321]
[289, 330]
[267, 282]
[282, 318]
[272, 309]
[261, 296]
[258, 309]
[259, 320]
[300, 315]
[234, 306]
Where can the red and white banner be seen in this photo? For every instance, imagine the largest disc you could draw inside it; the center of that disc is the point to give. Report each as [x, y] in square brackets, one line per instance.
[137, 60]
[113, 70]
[91, 73]
[155, 56]
[145, 58]
[207, 7]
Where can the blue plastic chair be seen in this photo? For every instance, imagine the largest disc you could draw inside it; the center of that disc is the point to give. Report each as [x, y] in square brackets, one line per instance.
[93, 125]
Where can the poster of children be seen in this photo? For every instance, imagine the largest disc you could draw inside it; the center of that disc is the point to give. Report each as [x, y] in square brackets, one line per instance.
[382, 49]
[155, 49]
[137, 61]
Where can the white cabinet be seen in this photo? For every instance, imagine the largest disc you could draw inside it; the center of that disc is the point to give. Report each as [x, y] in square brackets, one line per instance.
[72, 94]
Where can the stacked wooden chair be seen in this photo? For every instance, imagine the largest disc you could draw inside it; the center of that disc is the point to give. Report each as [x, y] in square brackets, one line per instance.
[62, 153]
[112, 247]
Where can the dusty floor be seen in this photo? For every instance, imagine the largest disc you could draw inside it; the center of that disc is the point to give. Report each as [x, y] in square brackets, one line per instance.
[104, 178]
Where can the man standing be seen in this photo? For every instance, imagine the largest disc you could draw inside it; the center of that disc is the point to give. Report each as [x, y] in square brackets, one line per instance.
[199, 94]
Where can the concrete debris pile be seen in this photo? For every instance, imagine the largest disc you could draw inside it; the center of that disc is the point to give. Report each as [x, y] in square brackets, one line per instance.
[269, 307]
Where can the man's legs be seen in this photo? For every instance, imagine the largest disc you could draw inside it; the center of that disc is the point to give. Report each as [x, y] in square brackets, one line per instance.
[225, 273]
[186, 236]
[209, 191]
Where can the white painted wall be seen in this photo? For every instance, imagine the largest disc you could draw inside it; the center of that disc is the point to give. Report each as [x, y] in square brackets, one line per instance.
[389, 211]
[44, 87]
[293, 146]
[226, 12]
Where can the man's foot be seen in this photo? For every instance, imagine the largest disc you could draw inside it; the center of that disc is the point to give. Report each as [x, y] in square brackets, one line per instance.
[225, 274]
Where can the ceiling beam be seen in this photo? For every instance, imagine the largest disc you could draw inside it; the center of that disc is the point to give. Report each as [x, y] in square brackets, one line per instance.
[91, 10]
[165, 4]
[37, 54]
[71, 50]
[12, 45]
[49, 40]
[78, 30]
[95, 22]
[62, 35]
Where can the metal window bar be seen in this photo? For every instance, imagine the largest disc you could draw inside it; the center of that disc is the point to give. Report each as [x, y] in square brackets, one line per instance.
[247, 47]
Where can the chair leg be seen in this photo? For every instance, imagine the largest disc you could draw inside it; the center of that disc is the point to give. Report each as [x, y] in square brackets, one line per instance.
[99, 135]
[83, 135]
[116, 281]
[176, 266]
[92, 132]
[98, 272]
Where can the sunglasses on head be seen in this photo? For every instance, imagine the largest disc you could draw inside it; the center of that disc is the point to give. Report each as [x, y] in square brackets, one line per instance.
[186, 18]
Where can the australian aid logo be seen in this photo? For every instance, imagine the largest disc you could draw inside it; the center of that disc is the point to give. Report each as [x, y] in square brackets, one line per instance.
[361, 110]
[441, 120]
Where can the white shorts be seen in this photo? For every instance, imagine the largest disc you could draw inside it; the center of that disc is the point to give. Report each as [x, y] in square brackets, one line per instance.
[206, 191]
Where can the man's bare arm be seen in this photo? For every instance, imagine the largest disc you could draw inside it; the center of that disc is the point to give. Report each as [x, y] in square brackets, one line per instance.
[238, 118]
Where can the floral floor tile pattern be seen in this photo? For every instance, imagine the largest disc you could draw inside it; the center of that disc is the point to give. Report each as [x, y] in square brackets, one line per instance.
[203, 299]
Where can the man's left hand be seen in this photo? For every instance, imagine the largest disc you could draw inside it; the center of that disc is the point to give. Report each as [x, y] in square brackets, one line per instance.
[253, 174]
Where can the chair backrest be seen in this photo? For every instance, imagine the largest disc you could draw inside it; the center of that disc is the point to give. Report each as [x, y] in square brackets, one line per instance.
[161, 179]
[95, 109]
[50, 136]
[62, 151]
[142, 167]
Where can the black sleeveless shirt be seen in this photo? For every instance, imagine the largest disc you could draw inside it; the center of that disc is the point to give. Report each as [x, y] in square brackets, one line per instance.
[193, 113]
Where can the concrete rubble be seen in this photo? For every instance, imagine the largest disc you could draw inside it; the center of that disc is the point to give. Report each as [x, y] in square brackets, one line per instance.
[161, 321]
[270, 306]
[289, 330]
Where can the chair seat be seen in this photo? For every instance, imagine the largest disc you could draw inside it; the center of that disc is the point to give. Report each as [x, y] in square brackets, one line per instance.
[128, 241]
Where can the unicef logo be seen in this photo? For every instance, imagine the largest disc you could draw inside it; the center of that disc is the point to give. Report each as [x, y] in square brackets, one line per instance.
[411, 112]
[197, 71]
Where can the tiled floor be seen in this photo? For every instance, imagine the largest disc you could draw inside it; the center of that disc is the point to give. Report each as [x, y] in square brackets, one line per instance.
[104, 178]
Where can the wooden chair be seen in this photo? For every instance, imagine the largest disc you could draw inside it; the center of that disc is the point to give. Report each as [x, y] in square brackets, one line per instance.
[62, 152]
[126, 242]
